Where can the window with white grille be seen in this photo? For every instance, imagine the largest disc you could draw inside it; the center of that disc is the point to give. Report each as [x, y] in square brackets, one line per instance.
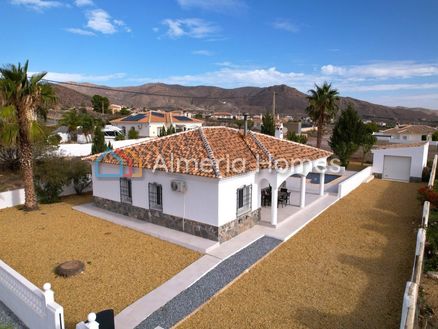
[125, 190]
[244, 199]
[155, 196]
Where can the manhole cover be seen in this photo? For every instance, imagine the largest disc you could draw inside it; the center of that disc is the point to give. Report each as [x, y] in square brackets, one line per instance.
[70, 268]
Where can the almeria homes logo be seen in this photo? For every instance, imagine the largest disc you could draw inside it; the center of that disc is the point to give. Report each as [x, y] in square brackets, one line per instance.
[131, 166]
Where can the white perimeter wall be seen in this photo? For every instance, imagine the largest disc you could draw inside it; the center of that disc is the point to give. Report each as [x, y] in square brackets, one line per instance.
[199, 202]
[351, 183]
[417, 154]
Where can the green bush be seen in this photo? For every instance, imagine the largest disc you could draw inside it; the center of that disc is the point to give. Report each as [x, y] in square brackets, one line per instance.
[51, 175]
[120, 137]
[79, 175]
[54, 139]
[132, 133]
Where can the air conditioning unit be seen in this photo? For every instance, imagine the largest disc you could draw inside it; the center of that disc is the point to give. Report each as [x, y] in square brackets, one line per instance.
[178, 186]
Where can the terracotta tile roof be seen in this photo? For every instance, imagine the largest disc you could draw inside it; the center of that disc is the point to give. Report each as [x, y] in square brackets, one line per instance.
[222, 146]
[156, 117]
[398, 145]
[410, 130]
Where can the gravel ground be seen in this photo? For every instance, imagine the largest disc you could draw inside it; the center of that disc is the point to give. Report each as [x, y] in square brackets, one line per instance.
[8, 319]
[346, 269]
[121, 265]
[196, 295]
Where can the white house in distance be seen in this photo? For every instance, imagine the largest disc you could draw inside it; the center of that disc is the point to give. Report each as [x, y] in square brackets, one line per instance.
[406, 134]
[148, 124]
[401, 162]
[207, 182]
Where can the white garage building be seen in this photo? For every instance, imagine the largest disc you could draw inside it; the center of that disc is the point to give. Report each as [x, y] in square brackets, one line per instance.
[400, 162]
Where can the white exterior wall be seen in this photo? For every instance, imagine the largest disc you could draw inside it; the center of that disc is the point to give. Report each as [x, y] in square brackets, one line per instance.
[404, 138]
[198, 203]
[417, 154]
[228, 198]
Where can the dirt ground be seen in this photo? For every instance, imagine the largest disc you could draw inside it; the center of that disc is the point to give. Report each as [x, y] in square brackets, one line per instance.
[121, 265]
[346, 269]
[430, 295]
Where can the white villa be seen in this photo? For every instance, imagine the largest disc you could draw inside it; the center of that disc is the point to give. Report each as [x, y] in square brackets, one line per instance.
[406, 134]
[148, 124]
[210, 182]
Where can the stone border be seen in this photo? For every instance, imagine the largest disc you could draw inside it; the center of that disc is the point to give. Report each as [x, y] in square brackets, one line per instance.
[210, 284]
[206, 231]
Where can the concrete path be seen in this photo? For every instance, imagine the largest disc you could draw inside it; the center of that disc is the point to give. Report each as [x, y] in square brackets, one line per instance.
[180, 238]
[215, 254]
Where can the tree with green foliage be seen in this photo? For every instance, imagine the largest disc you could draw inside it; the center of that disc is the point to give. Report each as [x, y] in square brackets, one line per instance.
[71, 120]
[98, 145]
[125, 111]
[367, 142]
[162, 132]
[87, 124]
[292, 136]
[51, 175]
[132, 133]
[21, 97]
[79, 174]
[323, 106]
[100, 103]
[171, 130]
[435, 136]
[268, 124]
[347, 135]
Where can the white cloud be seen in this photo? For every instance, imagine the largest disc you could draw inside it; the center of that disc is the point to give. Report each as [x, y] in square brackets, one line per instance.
[99, 20]
[80, 31]
[382, 70]
[84, 3]
[190, 27]
[37, 4]
[213, 5]
[390, 87]
[285, 25]
[203, 52]
[79, 77]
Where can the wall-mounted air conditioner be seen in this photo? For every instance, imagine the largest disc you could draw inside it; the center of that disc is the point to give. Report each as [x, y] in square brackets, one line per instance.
[178, 186]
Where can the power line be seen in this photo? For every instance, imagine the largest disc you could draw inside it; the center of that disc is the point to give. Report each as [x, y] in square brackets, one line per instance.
[141, 92]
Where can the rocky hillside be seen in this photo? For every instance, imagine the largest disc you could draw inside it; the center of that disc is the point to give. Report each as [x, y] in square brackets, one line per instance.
[289, 100]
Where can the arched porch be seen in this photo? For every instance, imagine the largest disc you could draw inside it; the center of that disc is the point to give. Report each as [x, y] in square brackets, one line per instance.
[282, 193]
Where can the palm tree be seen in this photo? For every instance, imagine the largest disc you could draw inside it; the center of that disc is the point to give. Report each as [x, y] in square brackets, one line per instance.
[71, 120]
[323, 106]
[20, 99]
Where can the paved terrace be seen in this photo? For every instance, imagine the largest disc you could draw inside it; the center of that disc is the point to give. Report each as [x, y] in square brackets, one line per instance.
[345, 269]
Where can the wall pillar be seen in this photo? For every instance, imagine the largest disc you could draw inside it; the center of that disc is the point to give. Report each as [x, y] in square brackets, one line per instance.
[303, 191]
[274, 201]
[321, 182]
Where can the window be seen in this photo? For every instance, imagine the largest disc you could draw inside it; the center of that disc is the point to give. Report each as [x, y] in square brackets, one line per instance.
[125, 190]
[244, 199]
[155, 196]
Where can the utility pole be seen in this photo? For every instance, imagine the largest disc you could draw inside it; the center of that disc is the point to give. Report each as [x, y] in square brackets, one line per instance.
[273, 104]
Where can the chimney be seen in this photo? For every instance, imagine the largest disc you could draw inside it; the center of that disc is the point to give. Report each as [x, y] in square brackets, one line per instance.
[245, 124]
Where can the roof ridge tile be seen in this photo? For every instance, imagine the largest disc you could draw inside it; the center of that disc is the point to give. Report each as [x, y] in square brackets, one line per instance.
[209, 152]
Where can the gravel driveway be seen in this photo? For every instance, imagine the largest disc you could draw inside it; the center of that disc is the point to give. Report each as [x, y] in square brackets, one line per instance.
[347, 269]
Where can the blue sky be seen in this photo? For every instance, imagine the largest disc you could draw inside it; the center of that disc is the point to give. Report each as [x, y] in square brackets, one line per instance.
[381, 51]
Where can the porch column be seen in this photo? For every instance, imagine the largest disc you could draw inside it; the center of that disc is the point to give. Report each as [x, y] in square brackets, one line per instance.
[274, 201]
[303, 191]
[321, 182]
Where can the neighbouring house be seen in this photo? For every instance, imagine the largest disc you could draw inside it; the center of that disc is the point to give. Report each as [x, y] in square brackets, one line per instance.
[406, 134]
[401, 162]
[149, 124]
[222, 115]
[209, 182]
[114, 108]
[63, 133]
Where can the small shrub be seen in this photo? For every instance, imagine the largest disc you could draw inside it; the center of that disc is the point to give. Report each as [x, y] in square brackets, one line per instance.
[51, 175]
[132, 133]
[120, 137]
[427, 194]
[54, 139]
[79, 175]
[425, 175]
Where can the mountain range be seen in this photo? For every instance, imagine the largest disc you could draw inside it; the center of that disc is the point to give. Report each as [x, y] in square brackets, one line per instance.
[289, 101]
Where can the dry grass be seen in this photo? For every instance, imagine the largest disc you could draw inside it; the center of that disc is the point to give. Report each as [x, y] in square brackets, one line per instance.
[347, 269]
[121, 265]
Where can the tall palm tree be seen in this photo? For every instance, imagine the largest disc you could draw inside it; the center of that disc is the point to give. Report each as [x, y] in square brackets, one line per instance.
[21, 97]
[323, 106]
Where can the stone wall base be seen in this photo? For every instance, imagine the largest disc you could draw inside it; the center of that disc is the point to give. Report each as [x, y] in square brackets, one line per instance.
[221, 234]
[411, 179]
